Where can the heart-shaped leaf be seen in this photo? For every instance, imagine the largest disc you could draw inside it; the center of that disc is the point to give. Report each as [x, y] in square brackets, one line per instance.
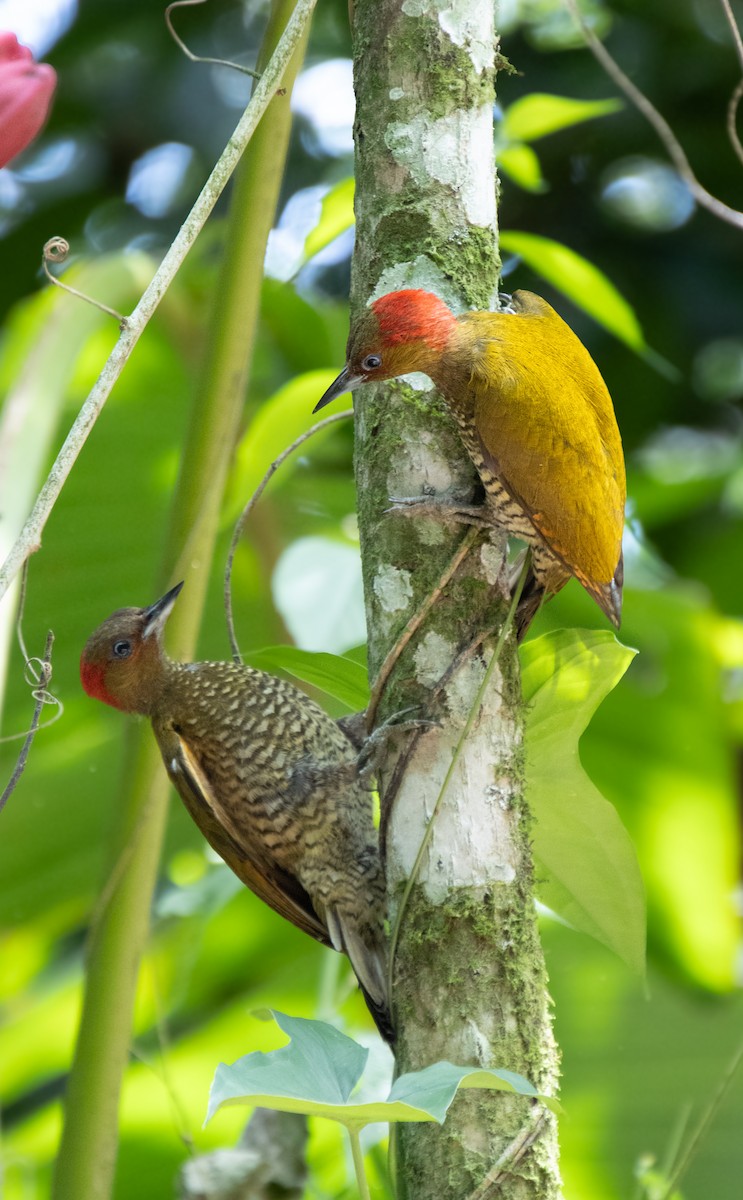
[316, 1073]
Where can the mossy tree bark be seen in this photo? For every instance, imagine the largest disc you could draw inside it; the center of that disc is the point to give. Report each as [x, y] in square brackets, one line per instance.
[469, 976]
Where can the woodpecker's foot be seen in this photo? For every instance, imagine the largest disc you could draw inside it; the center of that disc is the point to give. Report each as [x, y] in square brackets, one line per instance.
[378, 740]
[441, 510]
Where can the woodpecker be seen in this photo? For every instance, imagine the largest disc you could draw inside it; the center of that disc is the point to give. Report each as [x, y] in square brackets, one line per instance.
[272, 782]
[536, 419]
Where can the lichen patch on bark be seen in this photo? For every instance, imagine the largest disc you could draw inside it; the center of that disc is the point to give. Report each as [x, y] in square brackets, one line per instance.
[491, 558]
[419, 272]
[392, 588]
[472, 845]
[418, 467]
[432, 657]
[468, 23]
[440, 149]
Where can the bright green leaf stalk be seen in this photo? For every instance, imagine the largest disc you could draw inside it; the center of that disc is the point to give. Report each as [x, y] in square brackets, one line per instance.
[87, 1155]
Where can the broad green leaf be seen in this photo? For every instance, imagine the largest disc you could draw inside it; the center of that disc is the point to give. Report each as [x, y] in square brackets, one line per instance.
[319, 1068]
[432, 1089]
[282, 418]
[331, 673]
[583, 850]
[578, 279]
[316, 1073]
[536, 115]
[660, 748]
[521, 164]
[336, 216]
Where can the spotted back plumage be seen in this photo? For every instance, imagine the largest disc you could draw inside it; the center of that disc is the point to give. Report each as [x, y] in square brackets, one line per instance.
[270, 779]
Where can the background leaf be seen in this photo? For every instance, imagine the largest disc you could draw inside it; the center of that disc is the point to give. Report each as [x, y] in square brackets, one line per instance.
[281, 419]
[319, 592]
[521, 164]
[340, 677]
[579, 280]
[538, 114]
[336, 215]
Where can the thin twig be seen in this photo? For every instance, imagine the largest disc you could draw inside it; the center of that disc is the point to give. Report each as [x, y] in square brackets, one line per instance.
[197, 58]
[732, 117]
[42, 697]
[511, 1156]
[737, 39]
[458, 749]
[674, 148]
[308, 433]
[414, 625]
[21, 610]
[56, 251]
[29, 539]
[732, 121]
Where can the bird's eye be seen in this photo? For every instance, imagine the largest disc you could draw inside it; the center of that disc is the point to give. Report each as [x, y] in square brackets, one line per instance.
[122, 649]
[371, 362]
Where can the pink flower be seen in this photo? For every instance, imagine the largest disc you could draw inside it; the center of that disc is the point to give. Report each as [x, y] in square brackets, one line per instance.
[26, 90]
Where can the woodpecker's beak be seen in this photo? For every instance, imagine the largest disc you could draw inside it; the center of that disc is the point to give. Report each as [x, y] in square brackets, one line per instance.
[343, 383]
[157, 614]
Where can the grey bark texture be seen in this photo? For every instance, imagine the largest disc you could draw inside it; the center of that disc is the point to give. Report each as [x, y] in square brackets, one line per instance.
[469, 975]
[268, 1164]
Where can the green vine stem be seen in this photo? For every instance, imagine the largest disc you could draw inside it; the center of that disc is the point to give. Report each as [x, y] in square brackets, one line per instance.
[86, 1161]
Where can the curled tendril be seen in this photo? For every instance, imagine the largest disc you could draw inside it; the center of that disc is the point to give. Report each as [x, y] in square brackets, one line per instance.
[56, 250]
[239, 525]
[38, 675]
[197, 58]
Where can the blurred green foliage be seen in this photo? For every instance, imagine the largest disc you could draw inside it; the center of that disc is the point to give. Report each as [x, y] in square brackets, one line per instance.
[664, 746]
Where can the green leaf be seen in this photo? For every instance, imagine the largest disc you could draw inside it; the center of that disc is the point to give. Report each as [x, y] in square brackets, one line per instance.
[282, 418]
[539, 114]
[661, 749]
[317, 1070]
[521, 164]
[582, 849]
[578, 279]
[432, 1089]
[331, 673]
[336, 216]
[316, 1073]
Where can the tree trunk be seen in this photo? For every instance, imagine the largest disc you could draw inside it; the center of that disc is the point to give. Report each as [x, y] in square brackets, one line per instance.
[469, 975]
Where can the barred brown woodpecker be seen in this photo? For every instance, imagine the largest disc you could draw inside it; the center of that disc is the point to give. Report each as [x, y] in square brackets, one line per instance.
[535, 417]
[269, 778]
